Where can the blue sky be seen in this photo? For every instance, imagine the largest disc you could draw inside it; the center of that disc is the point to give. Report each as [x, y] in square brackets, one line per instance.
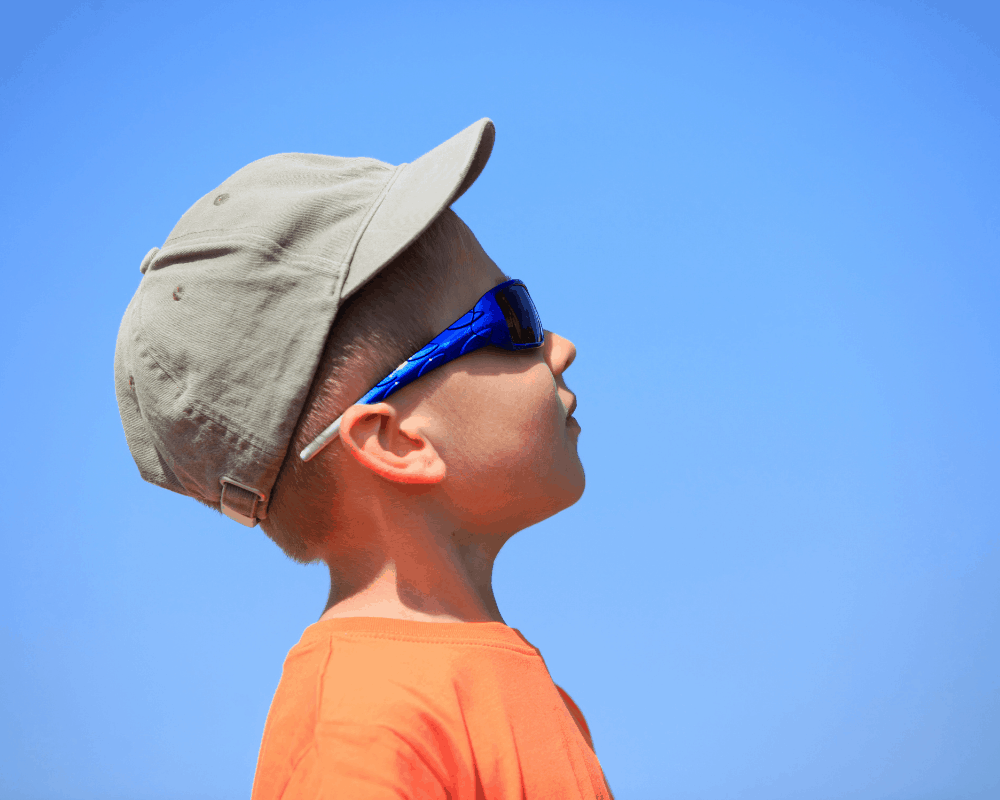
[771, 229]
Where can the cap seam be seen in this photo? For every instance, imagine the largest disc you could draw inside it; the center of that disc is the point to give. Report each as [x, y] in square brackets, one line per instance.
[194, 403]
[201, 237]
[348, 260]
[197, 406]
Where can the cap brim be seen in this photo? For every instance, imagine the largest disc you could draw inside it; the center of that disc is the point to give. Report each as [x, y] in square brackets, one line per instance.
[420, 192]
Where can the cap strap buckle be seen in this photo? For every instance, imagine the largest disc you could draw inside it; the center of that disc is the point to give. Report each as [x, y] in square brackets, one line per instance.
[239, 502]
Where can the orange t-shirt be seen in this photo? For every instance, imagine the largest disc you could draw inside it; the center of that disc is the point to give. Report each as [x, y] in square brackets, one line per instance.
[371, 708]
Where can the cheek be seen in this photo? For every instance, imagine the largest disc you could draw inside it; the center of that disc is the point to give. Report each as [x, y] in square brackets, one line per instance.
[506, 447]
[502, 419]
[526, 421]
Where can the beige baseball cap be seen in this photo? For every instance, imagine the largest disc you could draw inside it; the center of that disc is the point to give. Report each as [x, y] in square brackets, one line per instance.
[218, 347]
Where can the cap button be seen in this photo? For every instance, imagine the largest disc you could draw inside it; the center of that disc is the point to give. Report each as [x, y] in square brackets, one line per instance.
[146, 261]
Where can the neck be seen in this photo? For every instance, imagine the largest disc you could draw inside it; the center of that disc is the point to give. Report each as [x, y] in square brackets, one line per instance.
[399, 561]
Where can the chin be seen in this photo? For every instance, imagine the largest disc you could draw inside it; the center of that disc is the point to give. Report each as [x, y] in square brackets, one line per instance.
[566, 491]
[574, 479]
[578, 487]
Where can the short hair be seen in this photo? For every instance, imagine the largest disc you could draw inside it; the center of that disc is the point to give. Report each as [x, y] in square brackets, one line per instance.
[385, 322]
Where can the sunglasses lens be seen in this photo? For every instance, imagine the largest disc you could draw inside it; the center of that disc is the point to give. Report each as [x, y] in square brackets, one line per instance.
[522, 319]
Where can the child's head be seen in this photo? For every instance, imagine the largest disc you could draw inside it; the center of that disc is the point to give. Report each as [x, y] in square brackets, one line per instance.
[484, 440]
[281, 298]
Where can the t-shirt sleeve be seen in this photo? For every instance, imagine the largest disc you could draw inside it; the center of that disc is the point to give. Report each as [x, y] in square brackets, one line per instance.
[364, 761]
[577, 715]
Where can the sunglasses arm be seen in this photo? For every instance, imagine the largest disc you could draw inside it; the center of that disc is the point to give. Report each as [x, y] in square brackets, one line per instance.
[469, 332]
[322, 440]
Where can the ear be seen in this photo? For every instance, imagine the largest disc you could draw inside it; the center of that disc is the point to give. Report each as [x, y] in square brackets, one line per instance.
[374, 436]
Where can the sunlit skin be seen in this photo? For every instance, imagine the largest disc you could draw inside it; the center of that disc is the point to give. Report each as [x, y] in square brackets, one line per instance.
[441, 474]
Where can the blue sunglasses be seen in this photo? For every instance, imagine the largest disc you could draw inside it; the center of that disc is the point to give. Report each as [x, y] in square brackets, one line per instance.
[505, 317]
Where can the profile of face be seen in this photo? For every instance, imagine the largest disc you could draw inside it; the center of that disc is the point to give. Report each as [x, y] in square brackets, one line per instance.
[492, 430]
[502, 422]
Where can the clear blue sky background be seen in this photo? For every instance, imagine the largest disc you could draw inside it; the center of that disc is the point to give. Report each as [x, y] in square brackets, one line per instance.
[771, 228]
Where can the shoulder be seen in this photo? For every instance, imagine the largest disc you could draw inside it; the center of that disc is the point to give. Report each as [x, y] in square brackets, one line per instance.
[399, 684]
[351, 714]
[391, 710]
[577, 715]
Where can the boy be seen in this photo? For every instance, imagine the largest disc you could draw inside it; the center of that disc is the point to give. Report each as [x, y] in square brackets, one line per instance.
[323, 347]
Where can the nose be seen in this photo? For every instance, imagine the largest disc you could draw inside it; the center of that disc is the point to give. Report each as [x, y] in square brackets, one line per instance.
[560, 352]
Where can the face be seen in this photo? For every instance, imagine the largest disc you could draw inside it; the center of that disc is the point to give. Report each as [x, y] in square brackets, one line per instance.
[500, 420]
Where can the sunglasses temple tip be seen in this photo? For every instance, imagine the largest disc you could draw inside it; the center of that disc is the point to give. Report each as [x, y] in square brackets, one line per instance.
[322, 440]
